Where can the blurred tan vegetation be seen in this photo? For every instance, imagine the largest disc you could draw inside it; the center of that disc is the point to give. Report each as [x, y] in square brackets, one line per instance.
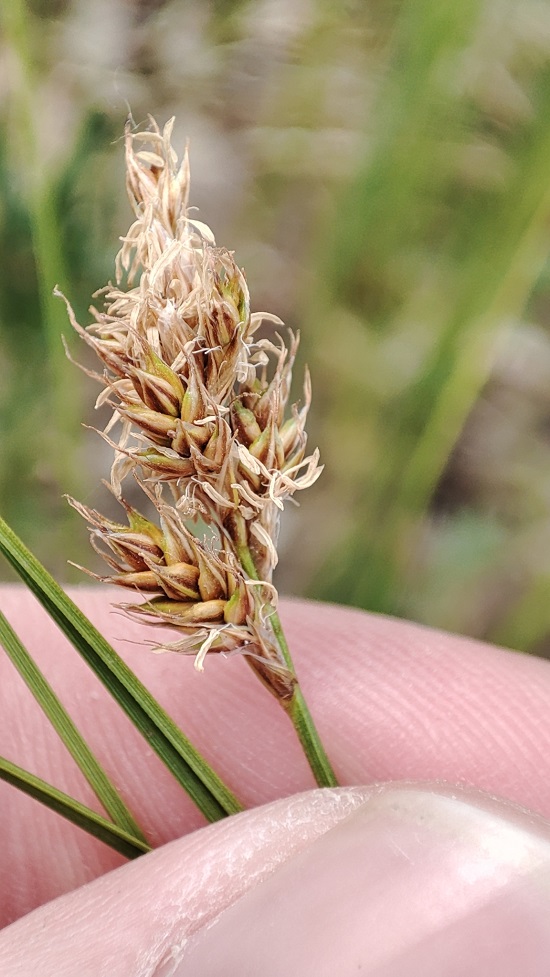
[382, 171]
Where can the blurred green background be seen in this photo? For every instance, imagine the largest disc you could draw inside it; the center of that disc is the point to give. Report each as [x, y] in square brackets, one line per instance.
[382, 170]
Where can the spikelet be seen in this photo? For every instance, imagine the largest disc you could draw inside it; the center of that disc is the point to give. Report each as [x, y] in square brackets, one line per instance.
[201, 407]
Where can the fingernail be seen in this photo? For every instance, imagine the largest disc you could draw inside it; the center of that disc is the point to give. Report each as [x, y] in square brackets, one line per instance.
[415, 882]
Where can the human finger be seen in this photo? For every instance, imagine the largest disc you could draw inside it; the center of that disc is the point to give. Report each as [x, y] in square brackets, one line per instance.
[395, 881]
[392, 701]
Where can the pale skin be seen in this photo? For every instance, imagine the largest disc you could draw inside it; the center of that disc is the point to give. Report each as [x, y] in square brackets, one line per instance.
[387, 883]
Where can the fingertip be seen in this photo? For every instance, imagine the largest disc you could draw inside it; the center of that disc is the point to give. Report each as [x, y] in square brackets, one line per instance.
[137, 919]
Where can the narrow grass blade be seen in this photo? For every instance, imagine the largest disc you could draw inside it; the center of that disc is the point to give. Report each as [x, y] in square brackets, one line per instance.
[46, 232]
[527, 621]
[96, 776]
[189, 768]
[113, 835]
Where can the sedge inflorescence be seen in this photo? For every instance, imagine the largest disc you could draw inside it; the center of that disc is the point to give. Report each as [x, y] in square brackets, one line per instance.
[201, 417]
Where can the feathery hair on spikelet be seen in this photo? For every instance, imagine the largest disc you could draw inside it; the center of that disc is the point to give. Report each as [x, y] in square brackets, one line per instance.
[201, 408]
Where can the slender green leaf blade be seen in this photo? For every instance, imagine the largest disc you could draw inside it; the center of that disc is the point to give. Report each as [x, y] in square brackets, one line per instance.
[96, 776]
[189, 768]
[113, 835]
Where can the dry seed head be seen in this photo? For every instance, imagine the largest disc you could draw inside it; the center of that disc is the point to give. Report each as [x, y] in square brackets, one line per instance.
[201, 407]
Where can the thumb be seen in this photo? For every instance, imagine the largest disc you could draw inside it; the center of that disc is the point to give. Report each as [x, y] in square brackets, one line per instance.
[389, 881]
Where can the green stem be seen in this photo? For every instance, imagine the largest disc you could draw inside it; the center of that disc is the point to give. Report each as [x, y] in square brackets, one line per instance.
[46, 235]
[302, 719]
[296, 707]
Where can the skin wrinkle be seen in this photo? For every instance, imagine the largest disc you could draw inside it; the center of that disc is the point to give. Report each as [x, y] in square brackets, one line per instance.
[499, 734]
[476, 698]
[394, 715]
